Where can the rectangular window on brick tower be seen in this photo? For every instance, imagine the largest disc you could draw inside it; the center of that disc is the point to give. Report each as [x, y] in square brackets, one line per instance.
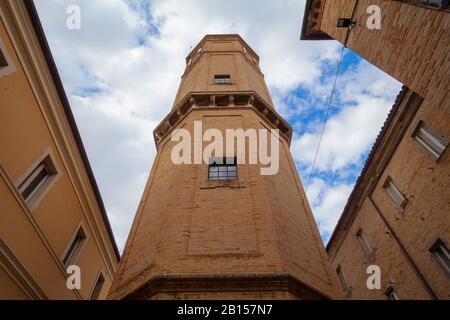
[365, 244]
[223, 168]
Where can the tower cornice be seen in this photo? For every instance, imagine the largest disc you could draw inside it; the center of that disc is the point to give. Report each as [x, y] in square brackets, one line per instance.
[228, 100]
[247, 282]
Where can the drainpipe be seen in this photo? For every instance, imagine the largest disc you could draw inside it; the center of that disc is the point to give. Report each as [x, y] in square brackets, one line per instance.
[414, 101]
[352, 19]
[408, 258]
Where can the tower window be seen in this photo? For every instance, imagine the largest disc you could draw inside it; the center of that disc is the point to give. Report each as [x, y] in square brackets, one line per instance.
[3, 62]
[74, 248]
[442, 255]
[396, 195]
[222, 79]
[343, 280]
[391, 294]
[365, 244]
[430, 140]
[222, 169]
[98, 287]
[6, 65]
[38, 181]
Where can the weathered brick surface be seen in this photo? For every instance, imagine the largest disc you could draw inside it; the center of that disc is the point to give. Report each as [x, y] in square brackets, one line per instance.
[189, 226]
[412, 46]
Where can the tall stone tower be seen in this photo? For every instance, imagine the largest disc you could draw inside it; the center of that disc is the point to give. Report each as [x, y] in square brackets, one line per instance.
[212, 230]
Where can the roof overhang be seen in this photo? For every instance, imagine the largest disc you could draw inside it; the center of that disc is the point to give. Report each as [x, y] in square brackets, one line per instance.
[311, 21]
[37, 26]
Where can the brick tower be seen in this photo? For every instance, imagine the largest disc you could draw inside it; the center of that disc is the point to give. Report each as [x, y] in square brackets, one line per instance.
[223, 231]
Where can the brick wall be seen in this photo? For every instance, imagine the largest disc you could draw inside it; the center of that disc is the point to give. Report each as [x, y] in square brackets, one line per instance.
[412, 46]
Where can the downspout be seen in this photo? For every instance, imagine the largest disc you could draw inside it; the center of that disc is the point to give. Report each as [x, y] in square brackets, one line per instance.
[403, 250]
[414, 107]
[410, 261]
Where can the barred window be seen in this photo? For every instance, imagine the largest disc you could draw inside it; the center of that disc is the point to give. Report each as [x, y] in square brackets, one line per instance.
[396, 195]
[223, 168]
[222, 79]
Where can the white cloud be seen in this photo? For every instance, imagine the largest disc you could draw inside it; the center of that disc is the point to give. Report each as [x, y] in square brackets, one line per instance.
[365, 96]
[122, 70]
[327, 202]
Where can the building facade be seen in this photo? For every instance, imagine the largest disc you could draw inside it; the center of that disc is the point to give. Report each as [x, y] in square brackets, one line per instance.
[51, 212]
[217, 228]
[397, 217]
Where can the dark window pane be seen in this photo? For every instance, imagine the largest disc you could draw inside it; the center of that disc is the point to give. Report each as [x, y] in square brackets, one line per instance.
[41, 176]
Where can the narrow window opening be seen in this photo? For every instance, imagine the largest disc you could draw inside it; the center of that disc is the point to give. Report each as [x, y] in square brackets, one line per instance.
[222, 79]
[343, 280]
[223, 168]
[98, 287]
[365, 244]
[3, 61]
[74, 247]
[391, 294]
[430, 140]
[396, 195]
[38, 179]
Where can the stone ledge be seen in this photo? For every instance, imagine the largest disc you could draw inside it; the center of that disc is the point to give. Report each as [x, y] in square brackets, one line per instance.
[204, 283]
[221, 100]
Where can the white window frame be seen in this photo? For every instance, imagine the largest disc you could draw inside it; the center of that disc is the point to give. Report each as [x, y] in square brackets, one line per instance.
[439, 249]
[99, 284]
[70, 255]
[364, 242]
[45, 161]
[343, 280]
[9, 68]
[430, 140]
[396, 195]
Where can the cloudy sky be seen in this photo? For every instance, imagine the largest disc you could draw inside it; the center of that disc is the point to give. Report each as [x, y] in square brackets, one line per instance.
[121, 72]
